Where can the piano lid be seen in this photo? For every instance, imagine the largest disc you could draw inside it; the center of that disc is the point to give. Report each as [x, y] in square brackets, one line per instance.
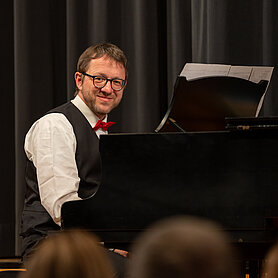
[202, 103]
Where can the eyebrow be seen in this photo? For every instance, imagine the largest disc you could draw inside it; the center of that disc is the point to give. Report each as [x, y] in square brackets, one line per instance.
[104, 75]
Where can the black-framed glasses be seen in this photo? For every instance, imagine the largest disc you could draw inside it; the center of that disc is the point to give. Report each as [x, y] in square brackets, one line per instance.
[99, 81]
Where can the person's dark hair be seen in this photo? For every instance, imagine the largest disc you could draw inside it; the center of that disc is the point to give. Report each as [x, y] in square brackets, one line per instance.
[182, 247]
[270, 266]
[97, 51]
[69, 254]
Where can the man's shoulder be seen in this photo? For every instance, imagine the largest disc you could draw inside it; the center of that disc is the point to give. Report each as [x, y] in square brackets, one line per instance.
[51, 121]
[54, 117]
[61, 108]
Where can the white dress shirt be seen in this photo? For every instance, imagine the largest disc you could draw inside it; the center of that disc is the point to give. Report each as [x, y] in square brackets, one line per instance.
[51, 144]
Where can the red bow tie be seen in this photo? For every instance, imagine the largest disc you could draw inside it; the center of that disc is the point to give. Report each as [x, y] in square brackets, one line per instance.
[103, 125]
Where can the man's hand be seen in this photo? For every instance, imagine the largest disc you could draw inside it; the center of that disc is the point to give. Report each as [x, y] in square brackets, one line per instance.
[120, 252]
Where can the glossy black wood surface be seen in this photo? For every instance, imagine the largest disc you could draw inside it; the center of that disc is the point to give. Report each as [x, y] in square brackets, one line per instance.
[230, 177]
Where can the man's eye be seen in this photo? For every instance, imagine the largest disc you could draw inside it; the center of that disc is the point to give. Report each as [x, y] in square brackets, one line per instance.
[117, 82]
[99, 79]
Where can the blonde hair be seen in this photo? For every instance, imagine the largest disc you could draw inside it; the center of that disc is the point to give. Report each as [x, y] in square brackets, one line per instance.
[69, 254]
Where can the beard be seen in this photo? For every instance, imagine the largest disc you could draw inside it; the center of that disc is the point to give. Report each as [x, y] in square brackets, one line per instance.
[101, 109]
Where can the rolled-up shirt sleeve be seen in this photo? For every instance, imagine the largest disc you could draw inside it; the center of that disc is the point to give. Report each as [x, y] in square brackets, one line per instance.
[50, 145]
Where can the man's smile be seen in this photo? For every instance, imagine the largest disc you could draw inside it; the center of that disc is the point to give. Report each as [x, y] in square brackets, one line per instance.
[105, 98]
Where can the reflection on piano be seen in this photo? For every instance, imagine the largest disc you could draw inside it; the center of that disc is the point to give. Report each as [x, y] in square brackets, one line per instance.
[203, 104]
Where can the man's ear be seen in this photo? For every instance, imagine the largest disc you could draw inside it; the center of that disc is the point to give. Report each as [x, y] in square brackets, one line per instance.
[78, 80]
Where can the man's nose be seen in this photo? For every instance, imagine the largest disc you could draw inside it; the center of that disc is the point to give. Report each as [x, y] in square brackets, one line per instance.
[108, 88]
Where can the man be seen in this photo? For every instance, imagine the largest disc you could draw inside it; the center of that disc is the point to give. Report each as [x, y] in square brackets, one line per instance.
[63, 162]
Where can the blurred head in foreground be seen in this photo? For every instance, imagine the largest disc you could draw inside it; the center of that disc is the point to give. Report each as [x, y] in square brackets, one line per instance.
[270, 269]
[69, 254]
[183, 247]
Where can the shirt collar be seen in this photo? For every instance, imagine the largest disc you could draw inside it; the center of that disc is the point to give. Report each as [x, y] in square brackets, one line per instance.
[91, 117]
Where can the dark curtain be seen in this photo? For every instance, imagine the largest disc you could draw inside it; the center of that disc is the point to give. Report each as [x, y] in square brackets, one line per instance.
[43, 40]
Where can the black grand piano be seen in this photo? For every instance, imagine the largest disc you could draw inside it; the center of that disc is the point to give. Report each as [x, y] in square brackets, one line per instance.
[226, 175]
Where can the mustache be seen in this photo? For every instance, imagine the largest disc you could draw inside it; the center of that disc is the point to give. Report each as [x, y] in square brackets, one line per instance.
[103, 94]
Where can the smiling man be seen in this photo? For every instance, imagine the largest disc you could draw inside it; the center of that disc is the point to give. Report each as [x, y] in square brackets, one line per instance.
[100, 83]
[62, 147]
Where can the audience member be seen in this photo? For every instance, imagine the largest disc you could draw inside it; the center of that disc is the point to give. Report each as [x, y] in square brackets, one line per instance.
[183, 247]
[69, 254]
[270, 267]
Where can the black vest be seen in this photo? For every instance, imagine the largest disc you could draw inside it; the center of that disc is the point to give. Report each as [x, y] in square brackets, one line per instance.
[36, 222]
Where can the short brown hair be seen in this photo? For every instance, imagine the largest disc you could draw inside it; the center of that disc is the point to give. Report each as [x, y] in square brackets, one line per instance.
[97, 51]
[182, 247]
[69, 254]
[270, 267]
